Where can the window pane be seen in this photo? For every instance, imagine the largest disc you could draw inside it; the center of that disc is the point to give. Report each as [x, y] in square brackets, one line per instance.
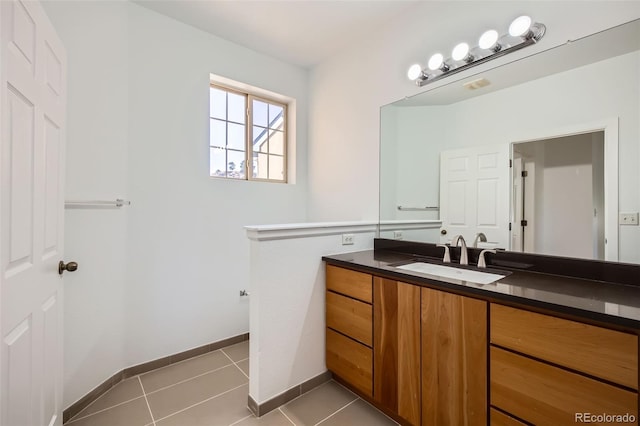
[260, 139]
[236, 108]
[235, 164]
[217, 162]
[218, 103]
[236, 136]
[276, 167]
[275, 116]
[218, 133]
[276, 142]
[260, 166]
[278, 125]
[259, 113]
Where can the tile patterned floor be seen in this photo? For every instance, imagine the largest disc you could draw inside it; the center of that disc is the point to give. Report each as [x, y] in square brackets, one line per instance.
[212, 390]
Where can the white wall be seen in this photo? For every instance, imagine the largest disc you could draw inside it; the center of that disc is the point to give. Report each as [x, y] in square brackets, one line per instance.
[188, 250]
[287, 344]
[95, 36]
[567, 228]
[348, 90]
[410, 164]
[163, 275]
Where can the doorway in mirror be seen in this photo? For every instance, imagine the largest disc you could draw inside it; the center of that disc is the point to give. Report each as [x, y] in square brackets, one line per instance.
[558, 197]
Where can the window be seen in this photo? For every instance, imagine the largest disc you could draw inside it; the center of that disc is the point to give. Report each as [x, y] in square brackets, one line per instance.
[248, 138]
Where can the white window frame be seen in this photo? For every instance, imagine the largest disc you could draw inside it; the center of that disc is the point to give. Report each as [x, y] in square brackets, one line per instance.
[250, 96]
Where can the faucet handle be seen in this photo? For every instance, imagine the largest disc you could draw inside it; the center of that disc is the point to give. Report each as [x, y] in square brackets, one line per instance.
[447, 255]
[481, 261]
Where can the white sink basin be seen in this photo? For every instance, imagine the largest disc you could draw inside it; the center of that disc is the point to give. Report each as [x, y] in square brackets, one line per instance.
[452, 273]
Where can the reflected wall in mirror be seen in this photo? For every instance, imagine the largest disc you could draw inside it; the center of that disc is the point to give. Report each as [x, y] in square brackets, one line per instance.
[451, 159]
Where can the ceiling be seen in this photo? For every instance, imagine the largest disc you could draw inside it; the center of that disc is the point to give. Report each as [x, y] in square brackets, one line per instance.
[302, 32]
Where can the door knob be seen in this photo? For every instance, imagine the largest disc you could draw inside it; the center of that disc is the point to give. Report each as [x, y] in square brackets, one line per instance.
[71, 266]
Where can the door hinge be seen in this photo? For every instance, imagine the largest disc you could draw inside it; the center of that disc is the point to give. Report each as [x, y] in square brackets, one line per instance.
[523, 223]
[509, 226]
[510, 163]
[525, 173]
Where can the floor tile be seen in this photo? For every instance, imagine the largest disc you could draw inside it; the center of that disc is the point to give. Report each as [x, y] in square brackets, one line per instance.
[175, 398]
[274, 418]
[222, 410]
[244, 366]
[132, 413]
[124, 391]
[238, 352]
[174, 373]
[358, 413]
[318, 404]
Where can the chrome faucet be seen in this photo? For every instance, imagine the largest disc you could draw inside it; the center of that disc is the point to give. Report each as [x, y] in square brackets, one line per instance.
[479, 237]
[464, 259]
[482, 263]
[447, 256]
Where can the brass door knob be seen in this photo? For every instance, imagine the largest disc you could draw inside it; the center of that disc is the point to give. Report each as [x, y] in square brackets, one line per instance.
[71, 266]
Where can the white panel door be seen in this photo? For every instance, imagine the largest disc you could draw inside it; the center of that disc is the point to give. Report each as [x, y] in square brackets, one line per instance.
[474, 194]
[32, 111]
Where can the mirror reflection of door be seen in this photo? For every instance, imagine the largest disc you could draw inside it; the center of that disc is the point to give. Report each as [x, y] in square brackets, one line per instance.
[558, 191]
[474, 195]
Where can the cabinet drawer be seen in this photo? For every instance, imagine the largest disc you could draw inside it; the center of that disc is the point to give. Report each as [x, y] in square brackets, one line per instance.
[607, 354]
[498, 418]
[350, 317]
[543, 394]
[351, 361]
[352, 283]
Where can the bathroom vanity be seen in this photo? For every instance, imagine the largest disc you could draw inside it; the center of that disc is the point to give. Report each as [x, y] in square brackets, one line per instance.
[529, 348]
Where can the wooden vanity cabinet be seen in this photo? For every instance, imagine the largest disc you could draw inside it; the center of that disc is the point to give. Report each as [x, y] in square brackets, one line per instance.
[546, 369]
[430, 357]
[454, 359]
[349, 336]
[427, 360]
[396, 348]
[498, 418]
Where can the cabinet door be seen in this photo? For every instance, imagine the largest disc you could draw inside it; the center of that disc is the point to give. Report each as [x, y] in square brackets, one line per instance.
[607, 354]
[454, 359]
[544, 394]
[350, 361]
[396, 347]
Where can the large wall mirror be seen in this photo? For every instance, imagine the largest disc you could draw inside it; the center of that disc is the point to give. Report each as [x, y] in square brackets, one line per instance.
[541, 155]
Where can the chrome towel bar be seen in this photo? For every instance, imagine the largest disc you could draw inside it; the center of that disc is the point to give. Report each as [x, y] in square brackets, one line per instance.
[433, 208]
[96, 203]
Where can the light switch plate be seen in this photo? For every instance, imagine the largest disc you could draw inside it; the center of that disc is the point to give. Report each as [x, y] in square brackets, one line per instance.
[629, 218]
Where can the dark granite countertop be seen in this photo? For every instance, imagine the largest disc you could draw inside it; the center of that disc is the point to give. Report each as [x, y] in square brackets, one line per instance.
[598, 301]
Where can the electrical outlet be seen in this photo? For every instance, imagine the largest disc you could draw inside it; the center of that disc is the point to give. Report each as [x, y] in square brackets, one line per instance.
[628, 218]
[347, 239]
[397, 235]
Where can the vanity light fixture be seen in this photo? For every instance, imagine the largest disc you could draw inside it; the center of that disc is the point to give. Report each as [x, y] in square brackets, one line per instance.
[489, 41]
[523, 32]
[461, 53]
[436, 62]
[415, 72]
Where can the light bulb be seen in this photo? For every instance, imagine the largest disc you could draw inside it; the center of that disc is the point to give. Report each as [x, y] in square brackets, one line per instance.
[436, 61]
[488, 39]
[520, 26]
[415, 71]
[460, 52]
